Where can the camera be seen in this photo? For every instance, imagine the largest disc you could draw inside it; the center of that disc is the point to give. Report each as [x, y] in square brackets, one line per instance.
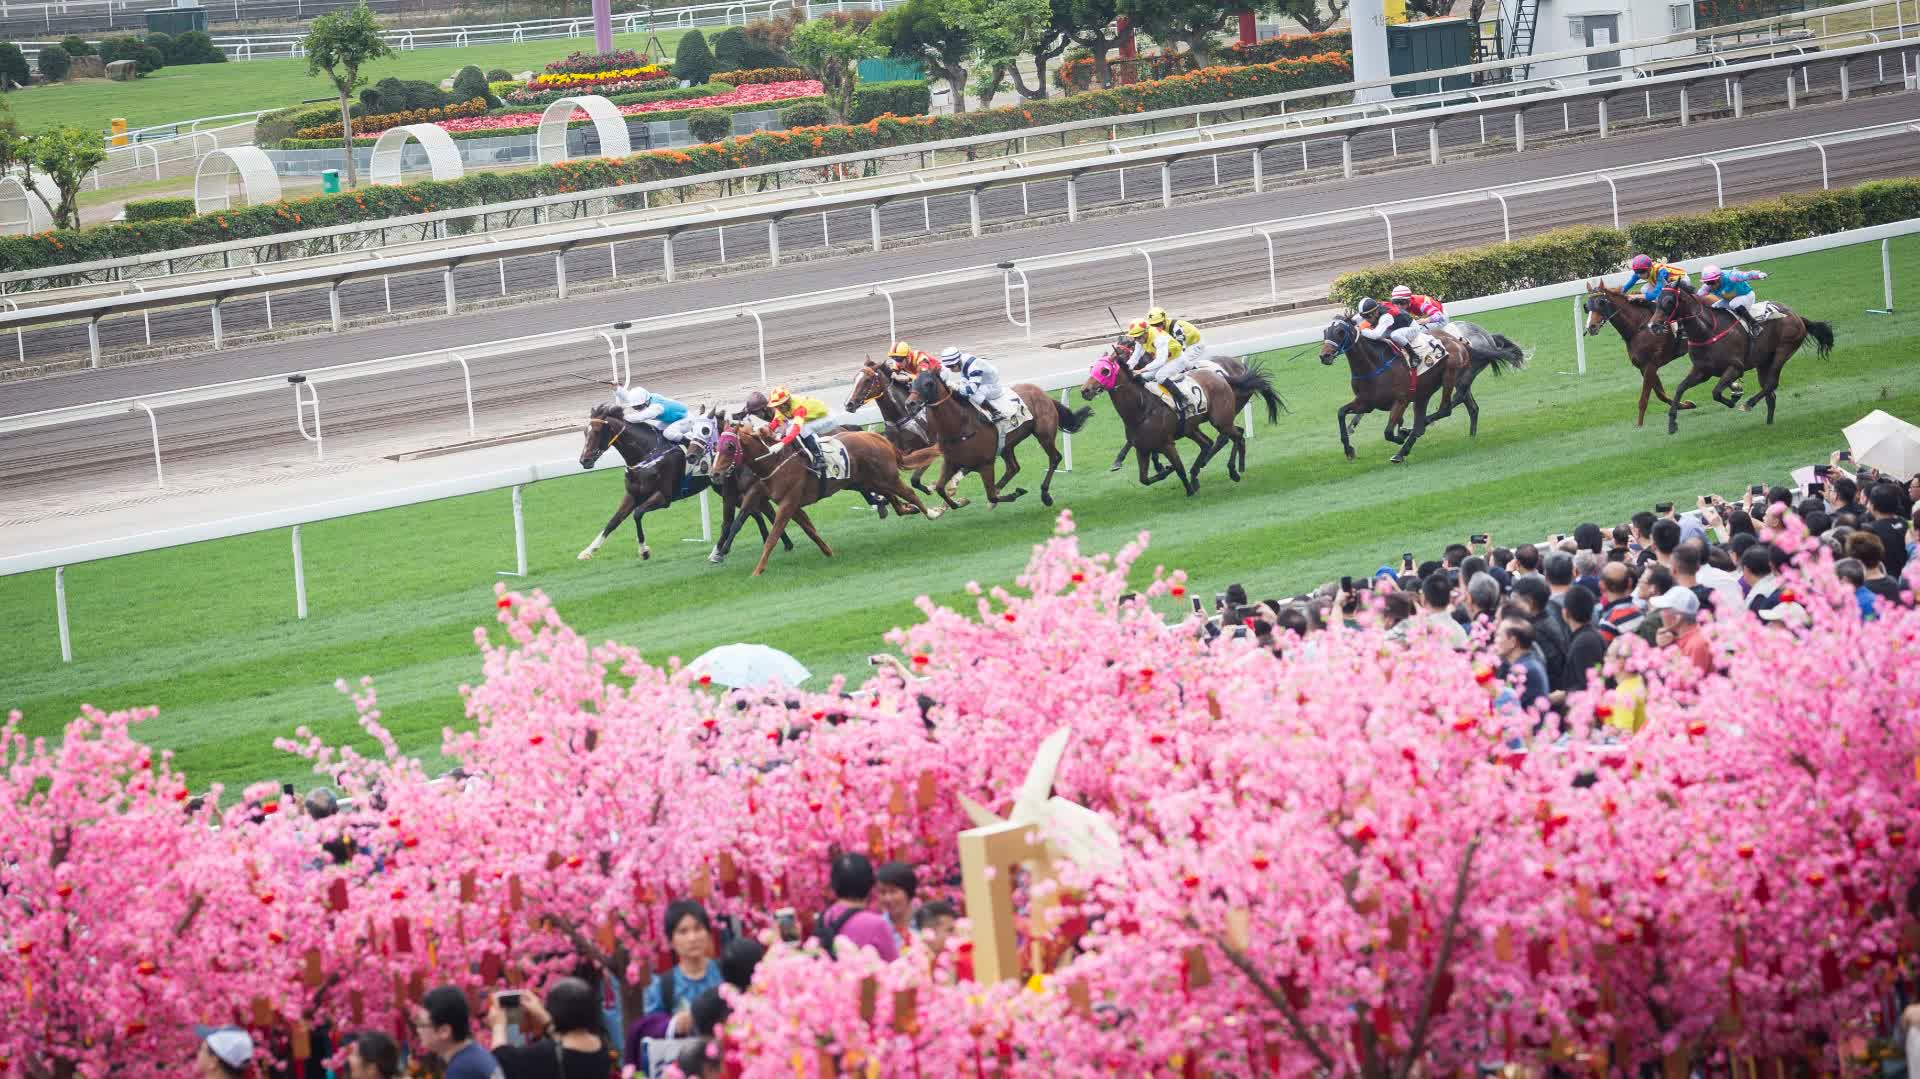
[1477, 537]
[787, 924]
[1663, 507]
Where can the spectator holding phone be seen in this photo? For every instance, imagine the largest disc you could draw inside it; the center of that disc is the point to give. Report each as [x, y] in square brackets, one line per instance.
[574, 1047]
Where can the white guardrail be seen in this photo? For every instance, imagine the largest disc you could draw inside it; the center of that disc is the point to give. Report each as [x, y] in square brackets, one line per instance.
[667, 229]
[1189, 122]
[515, 478]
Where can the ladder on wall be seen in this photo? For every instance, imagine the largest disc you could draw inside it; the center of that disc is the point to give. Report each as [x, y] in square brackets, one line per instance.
[1519, 38]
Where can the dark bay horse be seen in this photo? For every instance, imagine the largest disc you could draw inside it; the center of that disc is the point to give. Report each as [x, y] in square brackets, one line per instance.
[1233, 367]
[654, 480]
[1647, 350]
[906, 428]
[1153, 428]
[1382, 381]
[967, 441]
[1718, 343]
[873, 464]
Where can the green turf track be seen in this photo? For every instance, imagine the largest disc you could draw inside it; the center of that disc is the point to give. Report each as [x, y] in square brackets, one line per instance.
[208, 632]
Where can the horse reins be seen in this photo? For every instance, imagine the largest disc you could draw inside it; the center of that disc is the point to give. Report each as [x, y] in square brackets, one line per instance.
[1385, 365]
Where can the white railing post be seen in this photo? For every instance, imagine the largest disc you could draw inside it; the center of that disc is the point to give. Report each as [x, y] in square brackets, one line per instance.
[1519, 132]
[1719, 189]
[1066, 437]
[666, 255]
[519, 539]
[93, 341]
[892, 336]
[466, 380]
[60, 612]
[773, 242]
[1143, 253]
[1389, 223]
[153, 427]
[1579, 334]
[299, 577]
[873, 224]
[760, 334]
[1613, 190]
[1506, 222]
[1273, 280]
[1886, 280]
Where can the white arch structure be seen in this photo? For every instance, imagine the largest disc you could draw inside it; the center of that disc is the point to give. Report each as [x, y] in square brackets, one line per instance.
[552, 137]
[259, 182]
[443, 157]
[20, 209]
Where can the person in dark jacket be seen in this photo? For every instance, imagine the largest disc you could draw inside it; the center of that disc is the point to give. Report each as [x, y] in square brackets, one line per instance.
[1549, 632]
[1586, 647]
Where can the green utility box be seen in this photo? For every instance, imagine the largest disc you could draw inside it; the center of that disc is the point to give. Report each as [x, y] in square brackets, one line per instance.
[174, 21]
[891, 69]
[1430, 45]
[330, 181]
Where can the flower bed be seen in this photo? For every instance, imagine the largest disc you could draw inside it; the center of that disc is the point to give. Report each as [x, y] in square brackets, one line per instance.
[580, 81]
[1076, 73]
[530, 95]
[750, 76]
[373, 125]
[517, 122]
[578, 63]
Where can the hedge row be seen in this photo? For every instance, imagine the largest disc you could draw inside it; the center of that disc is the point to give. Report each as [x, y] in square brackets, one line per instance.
[160, 209]
[1570, 254]
[373, 125]
[1077, 72]
[755, 75]
[528, 129]
[710, 88]
[872, 100]
[785, 147]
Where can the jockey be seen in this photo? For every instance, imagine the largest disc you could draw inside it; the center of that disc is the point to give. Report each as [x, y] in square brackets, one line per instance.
[693, 434]
[786, 406]
[642, 406]
[1164, 359]
[904, 361]
[1383, 321]
[1656, 276]
[979, 381]
[1424, 309]
[1730, 292]
[758, 407]
[1185, 333]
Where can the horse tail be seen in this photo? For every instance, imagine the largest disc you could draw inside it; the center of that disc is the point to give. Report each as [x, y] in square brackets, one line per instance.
[1822, 333]
[1254, 381]
[913, 462]
[1071, 420]
[1505, 355]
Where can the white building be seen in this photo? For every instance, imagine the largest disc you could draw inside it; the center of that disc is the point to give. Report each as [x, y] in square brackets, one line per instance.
[1560, 25]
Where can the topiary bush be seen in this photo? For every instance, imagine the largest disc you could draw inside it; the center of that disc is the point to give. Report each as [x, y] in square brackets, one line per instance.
[13, 65]
[163, 42]
[149, 59]
[160, 209]
[499, 74]
[401, 95]
[76, 45]
[55, 62]
[471, 83]
[871, 99]
[808, 115]
[119, 48]
[275, 126]
[730, 49]
[710, 125]
[195, 47]
[692, 60]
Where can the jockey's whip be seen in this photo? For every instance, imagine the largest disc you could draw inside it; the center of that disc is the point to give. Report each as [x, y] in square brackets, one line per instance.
[1115, 318]
[595, 381]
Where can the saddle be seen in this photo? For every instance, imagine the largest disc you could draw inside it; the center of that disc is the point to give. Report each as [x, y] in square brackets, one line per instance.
[1194, 394]
[1428, 351]
[1767, 311]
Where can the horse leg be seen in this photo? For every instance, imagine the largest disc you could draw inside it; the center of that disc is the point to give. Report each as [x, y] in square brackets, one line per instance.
[1473, 412]
[806, 525]
[1394, 418]
[1190, 482]
[1340, 422]
[1649, 384]
[780, 519]
[1695, 376]
[656, 500]
[1419, 428]
[1727, 379]
[945, 486]
[619, 515]
[1053, 465]
[1770, 380]
[993, 489]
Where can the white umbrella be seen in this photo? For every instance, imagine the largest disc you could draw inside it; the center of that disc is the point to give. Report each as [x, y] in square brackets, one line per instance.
[1873, 427]
[1896, 454]
[746, 666]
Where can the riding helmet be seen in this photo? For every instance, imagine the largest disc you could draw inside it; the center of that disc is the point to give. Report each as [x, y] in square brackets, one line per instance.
[757, 401]
[1137, 329]
[1368, 308]
[1709, 275]
[1641, 264]
[901, 350]
[949, 355]
[1402, 292]
[1157, 317]
[780, 397]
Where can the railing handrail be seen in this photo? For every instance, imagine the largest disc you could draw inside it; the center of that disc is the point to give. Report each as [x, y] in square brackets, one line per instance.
[1323, 130]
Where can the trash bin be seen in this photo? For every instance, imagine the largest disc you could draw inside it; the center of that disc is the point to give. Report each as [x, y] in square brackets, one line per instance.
[119, 131]
[330, 181]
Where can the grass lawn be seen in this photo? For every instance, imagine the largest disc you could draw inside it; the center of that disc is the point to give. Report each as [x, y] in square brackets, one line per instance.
[208, 633]
[186, 93]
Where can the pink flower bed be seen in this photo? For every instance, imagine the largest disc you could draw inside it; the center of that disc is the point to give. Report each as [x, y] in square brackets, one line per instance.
[745, 95]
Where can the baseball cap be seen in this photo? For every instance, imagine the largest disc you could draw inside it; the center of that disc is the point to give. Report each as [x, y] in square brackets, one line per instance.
[1787, 612]
[1679, 599]
[232, 1045]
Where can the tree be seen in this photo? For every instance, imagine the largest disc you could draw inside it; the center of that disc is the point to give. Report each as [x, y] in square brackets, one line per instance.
[339, 44]
[1182, 22]
[1314, 16]
[76, 45]
[692, 60]
[1093, 26]
[471, 83]
[936, 33]
[54, 63]
[831, 51]
[60, 158]
[195, 47]
[1005, 30]
[13, 66]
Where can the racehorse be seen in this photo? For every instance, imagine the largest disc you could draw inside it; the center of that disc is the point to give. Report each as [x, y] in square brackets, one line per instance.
[968, 442]
[1381, 380]
[1153, 427]
[654, 478]
[1717, 342]
[1233, 367]
[872, 463]
[906, 429]
[1646, 350]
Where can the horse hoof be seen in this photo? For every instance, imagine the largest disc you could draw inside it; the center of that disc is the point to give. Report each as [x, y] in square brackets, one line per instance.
[716, 558]
[933, 514]
[585, 555]
[1116, 466]
[1046, 498]
[1398, 459]
[1688, 404]
[645, 552]
[1349, 455]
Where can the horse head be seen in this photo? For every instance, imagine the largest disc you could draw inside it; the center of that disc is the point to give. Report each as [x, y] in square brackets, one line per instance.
[1599, 306]
[1338, 337]
[1104, 375]
[868, 385]
[728, 452]
[604, 425]
[1665, 309]
[928, 389]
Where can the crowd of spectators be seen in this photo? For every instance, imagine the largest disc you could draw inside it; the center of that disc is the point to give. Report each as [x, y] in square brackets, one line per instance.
[1554, 609]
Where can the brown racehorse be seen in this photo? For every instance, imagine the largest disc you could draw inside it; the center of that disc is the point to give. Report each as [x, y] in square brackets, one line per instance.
[967, 441]
[1244, 390]
[872, 461]
[1717, 342]
[1381, 380]
[905, 429]
[1646, 350]
[1153, 429]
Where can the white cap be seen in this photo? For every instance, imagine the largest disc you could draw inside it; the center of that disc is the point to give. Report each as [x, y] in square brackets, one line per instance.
[1787, 612]
[949, 354]
[232, 1045]
[1679, 599]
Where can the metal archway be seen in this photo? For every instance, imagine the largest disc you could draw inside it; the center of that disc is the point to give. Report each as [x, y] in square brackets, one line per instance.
[20, 209]
[259, 182]
[443, 157]
[552, 137]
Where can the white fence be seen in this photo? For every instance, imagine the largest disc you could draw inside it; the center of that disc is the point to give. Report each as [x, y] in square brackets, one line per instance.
[516, 478]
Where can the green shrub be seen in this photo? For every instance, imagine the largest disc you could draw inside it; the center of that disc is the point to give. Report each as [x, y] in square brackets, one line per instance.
[808, 115]
[163, 42]
[55, 63]
[500, 74]
[691, 59]
[160, 209]
[118, 48]
[400, 95]
[76, 45]
[1561, 255]
[470, 83]
[195, 47]
[642, 97]
[730, 48]
[295, 143]
[148, 59]
[1883, 202]
[871, 99]
[13, 65]
[710, 125]
[270, 129]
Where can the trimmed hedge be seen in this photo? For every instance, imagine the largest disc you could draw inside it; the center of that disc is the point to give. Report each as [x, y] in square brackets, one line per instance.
[630, 97]
[763, 148]
[160, 209]
[528, 129]
[1570, 254]
[710, 125]
[754, 76]
[373, 125]
[1077, 72]
[876, 99]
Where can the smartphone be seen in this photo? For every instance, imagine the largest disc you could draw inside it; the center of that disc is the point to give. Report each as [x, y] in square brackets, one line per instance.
[1846, 455]
[509, 1004]
[787, 923]
[1663, 507]
[1560, 537]
[1197, 608]
[1219, 601]
[1821, 471]
[1406, 559]
[286, 789]
[1757, 489]
[1346, 584]
[1477, 537]
[1815, 488]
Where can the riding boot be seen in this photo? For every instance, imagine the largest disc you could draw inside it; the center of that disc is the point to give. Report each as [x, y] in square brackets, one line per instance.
[1179, 402]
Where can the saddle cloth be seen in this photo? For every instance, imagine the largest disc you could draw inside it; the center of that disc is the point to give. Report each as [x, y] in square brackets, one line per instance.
[1192, 392]
[1428, 351]
[1767, 310]
[834, 461]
